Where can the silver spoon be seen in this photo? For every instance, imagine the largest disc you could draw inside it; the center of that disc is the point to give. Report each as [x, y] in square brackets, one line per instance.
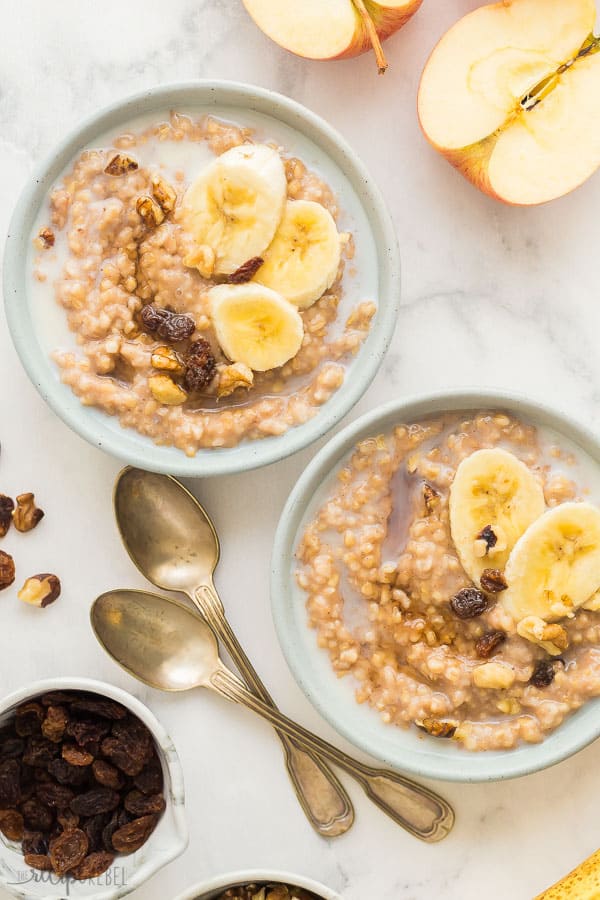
[172, 541]
[167, 646]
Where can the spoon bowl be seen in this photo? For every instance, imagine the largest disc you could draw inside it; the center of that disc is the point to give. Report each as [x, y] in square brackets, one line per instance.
[159, 641]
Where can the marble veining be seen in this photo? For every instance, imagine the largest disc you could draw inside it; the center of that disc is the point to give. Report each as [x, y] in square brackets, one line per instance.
[492, 296]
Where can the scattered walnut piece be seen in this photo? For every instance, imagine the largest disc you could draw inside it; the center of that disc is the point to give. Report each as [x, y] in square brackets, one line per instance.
[493, 581]
[246, 271]
[46, 238]
[553, 638]
[120, 164]
[230, 378]
[26, 515]
[202, 258]
[164, 194]
[6, 510]
[7, 570]
[493, 675]
[509, 705]
[166, 391]
[431, 498]
[40, 590]
[167, 360]
[150, 211]
[437, 728]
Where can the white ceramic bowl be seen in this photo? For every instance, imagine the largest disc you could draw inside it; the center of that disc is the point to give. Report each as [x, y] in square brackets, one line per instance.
[127, 873]
[407, 750]
[209, 890]
[307, 136]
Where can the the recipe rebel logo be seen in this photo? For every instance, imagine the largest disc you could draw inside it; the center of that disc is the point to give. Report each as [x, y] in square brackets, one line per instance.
[115, 877]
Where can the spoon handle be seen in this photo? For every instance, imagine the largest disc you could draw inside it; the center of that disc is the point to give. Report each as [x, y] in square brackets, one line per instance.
[320, 793]
[419, 810]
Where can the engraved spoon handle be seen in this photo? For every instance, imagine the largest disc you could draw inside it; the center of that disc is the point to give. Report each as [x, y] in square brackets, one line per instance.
[415, 808]
[320, 793]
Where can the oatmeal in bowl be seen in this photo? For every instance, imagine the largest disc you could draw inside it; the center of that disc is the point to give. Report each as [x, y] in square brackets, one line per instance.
[206, 273]
[446, 560]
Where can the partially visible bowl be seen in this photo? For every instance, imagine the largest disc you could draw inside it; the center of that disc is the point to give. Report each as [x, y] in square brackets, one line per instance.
[407, 750]
[323, 147]
[127, 873]
[211, 889]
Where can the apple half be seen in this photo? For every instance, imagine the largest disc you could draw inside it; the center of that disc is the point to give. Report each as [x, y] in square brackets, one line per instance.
[511, 97]
[331, 29]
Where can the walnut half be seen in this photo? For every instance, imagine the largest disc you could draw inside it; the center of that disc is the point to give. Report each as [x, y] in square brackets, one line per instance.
[232, 377]
[553, 638]
[40, 590]
[26, 515]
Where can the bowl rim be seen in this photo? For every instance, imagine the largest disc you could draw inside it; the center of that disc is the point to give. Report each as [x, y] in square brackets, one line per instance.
[233, 879]
[175, 798]
[575, 733]
[127, 444]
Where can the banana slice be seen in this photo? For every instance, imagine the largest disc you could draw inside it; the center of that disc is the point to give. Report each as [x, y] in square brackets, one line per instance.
[494, 497]
[255, 325]
[303, 260]
[234, 207]
[554, 567]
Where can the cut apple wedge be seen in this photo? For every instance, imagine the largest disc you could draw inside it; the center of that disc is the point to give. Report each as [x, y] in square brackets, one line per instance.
[331, 29]
[511, 97]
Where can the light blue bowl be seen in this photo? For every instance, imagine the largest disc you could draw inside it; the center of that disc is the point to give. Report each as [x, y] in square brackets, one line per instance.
[322, 144]
[409, 750]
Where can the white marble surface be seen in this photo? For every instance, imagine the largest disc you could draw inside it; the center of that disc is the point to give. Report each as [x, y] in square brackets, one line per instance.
[492, 296]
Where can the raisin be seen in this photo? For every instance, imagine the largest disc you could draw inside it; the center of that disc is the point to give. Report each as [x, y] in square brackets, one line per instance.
[55, 723]
[76, 756]
[28, 719]
[134, 835]
[37, 816]
[34, 842]
[167, 324]
[57, 698]
[65, 773]
[98, 800]
[94, 827]
[99, 706]
[544, 672]
[12, 748]
[493, 581]
[56, 796]
[93, 865]
[38, 861]
[11, 824]
[87, 731]
[10, 788]
[6, 508]
[117, 820]
[200, 365]
[488, 643]
[39, 752]
[150, 779]
[246, 271]
[139, 804]
[468, 603]
[67, 819]
[108, 775]
[488, 535]
[68, 850]
[129, 746]
[7, 570]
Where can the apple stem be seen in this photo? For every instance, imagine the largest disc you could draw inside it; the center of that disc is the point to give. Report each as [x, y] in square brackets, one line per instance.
[373, 36]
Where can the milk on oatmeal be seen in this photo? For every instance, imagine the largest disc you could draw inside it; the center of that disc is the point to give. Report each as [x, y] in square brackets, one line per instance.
[489, 643]
[119, 244]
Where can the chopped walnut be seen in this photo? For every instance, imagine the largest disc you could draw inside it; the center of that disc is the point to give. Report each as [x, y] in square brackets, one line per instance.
[493, 675]
[230, 378]
[166, 391]
[164, 194]
[46, 238]
[26, 515]
[202, 258]
[431, 498]
[150, 211]
[7, 570]
[553, 638]
[6, 510]
[437, 728]
[509, 705]
[40, 590]
[167, 360]
[120, 164]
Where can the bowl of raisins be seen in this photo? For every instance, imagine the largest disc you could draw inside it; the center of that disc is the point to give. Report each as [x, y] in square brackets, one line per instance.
[259, 884]
[91, 792]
